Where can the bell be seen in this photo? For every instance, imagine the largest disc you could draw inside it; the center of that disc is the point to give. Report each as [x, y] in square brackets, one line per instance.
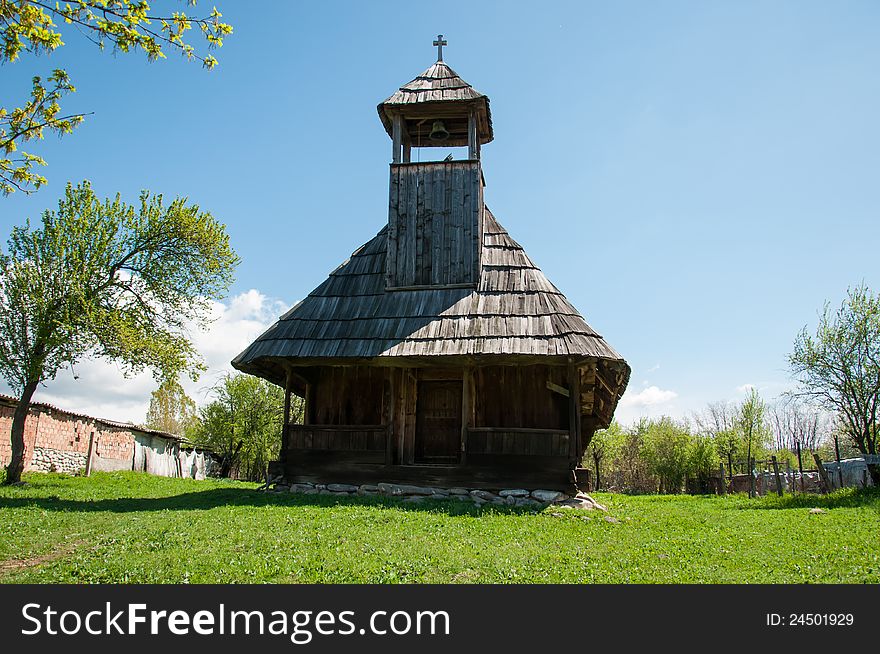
[438, 131]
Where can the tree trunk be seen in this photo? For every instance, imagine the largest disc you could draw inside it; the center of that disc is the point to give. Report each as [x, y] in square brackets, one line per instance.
[16, 463]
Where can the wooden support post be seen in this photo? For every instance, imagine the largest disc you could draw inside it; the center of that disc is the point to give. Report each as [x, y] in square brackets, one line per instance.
[776, 475]
[837, 456]
[307, 404]
[723, 485]
[823, 474]
[396, 137]
[90, 453]
[473, 142]
[800, 465]
[388, 414]
[466, 412]
[407, 149]
[285, 427]
[574, 412]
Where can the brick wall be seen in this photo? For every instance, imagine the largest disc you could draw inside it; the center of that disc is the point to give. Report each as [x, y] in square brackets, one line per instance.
[56, 438]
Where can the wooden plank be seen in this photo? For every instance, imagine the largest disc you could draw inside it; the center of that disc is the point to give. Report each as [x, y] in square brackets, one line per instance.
[396, 137]
[556, 388]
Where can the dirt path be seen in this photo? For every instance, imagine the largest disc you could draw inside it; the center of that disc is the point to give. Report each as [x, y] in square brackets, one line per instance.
[14, 565]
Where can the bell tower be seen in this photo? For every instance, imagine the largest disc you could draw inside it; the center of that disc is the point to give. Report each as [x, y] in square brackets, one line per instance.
[435, 210]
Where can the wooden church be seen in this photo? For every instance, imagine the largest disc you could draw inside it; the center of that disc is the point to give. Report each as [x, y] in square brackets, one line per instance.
[438, 353]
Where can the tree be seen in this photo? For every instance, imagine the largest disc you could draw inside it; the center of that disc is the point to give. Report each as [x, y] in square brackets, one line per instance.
[29, 26]
[839, 367]
[171, 409]
[751, 423]
[243, 424]
[604, 446]
[107, 279]
[718, 422]
[795, 423]
[665, 450]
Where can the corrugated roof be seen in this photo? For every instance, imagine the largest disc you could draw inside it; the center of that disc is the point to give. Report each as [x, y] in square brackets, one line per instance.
[13, 401]
[514, 310]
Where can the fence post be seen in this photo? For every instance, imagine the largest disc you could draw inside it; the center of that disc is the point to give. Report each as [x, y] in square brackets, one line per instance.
[89, 455]
[800, 465]
[776, 474]
[723, 485]
[823, 475]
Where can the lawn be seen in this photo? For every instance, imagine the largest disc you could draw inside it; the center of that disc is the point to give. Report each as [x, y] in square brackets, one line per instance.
[131, 527]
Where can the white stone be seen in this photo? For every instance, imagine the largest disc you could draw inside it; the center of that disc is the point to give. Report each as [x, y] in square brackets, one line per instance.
[396, 490]
[342, 488]
[483, 495]
[458, 491]
[514, 492]
[546, 495]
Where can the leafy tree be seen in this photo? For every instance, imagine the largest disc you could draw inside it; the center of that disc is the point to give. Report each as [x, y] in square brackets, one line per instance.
[702, 462]
[29, 26]
[243, 424]
[603, 448]
[718, 422]
[171, 409]
[751, 421]
[666, 452]
[107, 279]
[839, 367]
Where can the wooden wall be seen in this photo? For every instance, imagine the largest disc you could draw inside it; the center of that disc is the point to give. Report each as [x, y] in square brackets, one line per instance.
[346, 396]
[516, 425]
[518, 396]
[434, 224]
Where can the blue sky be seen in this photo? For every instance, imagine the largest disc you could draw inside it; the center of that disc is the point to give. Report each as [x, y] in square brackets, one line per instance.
[697, 177]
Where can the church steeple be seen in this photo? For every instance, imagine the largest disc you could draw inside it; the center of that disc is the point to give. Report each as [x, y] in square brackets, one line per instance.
[435, 210]
[437, 95]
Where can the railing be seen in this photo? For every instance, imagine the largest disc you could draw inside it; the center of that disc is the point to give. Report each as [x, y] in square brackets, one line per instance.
[518, 441]
[367, 443]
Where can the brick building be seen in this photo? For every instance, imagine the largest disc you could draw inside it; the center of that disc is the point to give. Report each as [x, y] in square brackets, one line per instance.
[58, 440]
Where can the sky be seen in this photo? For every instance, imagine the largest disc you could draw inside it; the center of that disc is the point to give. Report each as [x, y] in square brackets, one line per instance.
[698, 177]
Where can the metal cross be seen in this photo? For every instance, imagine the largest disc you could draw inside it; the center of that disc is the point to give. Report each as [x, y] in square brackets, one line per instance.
[440, 43]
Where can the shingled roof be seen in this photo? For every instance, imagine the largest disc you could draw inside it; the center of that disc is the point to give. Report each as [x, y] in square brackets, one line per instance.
[514, 310]
[438, 84]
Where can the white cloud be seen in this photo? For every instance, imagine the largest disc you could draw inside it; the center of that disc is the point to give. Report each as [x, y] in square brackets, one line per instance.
[650, 402]
[100, 389]
[651, 396]
[654, 368]
[745, 388]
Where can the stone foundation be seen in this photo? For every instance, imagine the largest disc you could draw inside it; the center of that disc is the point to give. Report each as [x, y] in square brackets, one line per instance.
[50, 460]
[510, 497]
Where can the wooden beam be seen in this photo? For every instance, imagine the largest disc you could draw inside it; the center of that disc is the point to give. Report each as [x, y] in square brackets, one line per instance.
[388, 415]
[556, 388]
[285, 427]
[573, 421]
[90, 453]
[466, 411]
[308, 401]
[396, 137]
[576, 402]
[473, 145]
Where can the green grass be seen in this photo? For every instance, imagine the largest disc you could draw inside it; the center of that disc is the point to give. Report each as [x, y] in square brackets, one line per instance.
[131, 527]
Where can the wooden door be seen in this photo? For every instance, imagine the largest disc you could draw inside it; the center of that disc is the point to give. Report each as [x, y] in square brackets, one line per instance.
[438, 422]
